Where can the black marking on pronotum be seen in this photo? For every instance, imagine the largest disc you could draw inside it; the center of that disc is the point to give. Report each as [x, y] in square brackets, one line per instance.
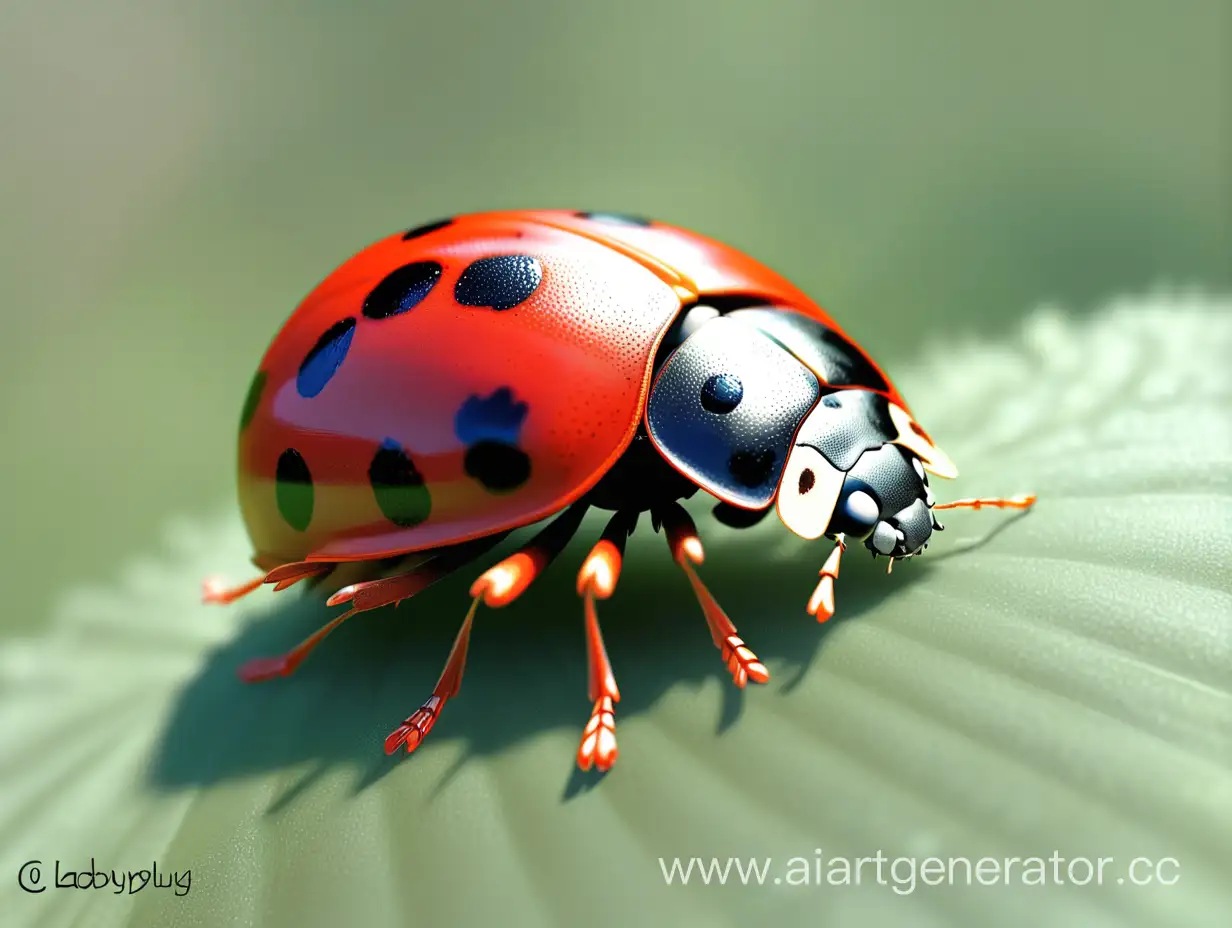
[837, 361]
[721, 393]
[751, 468]
[500, 282]
[402, 290]
[398, 486]
[326, 356]
[293, 490]
[426, 229]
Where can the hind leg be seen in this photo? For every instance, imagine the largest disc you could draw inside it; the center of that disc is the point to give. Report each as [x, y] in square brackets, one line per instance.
[364, 597]
[215, 592]
[597, 580]
[498, 586]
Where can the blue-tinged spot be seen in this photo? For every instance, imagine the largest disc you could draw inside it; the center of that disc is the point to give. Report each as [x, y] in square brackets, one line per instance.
[498, 418]
[326, 356]
[402, 290]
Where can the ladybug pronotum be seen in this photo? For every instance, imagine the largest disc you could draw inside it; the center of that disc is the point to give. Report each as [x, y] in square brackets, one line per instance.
[473, 376]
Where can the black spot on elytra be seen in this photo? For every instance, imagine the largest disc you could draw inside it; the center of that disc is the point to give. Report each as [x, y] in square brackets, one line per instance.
[500, 282]
[616, 219]
[751, 468]
[398, 486]
[426, 229]
[498, 466]
[722, 393]
[253, 399]
[402, 290]
[293, 489]
[326, 356]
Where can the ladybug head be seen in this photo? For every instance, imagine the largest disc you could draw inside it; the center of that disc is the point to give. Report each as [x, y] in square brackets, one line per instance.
[845, 475]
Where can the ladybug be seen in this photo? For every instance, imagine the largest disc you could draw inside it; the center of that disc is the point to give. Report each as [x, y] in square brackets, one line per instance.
[467, 378]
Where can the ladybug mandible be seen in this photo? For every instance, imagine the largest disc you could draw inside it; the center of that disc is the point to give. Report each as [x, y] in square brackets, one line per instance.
[469, 377]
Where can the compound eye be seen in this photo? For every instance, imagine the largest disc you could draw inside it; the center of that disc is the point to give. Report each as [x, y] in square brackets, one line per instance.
[808, 492]
[862, 511]
[857, 511]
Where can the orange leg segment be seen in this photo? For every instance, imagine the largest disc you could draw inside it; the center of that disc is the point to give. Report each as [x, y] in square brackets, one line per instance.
[415, 727]
[597, 580]
[216, 593]
[687, 551]
[364, 597]
[497, 586]
[502, 584]
[821, 603]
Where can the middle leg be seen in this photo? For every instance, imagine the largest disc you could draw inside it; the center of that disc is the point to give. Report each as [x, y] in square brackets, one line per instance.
[597, 580]
[687, 551]
[497, 586]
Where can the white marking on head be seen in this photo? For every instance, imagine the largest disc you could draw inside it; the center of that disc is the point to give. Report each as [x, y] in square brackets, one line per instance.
[808, 492]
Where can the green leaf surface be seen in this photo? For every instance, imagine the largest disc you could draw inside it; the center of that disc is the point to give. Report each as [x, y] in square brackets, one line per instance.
[1050, 683]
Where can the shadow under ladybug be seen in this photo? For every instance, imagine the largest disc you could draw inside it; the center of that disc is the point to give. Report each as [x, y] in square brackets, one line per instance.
[526, 673]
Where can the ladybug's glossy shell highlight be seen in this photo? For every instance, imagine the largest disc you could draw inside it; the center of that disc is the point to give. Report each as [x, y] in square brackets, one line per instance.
[473, 376]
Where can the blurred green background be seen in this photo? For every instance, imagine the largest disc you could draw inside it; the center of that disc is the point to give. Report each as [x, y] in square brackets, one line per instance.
[175, 176]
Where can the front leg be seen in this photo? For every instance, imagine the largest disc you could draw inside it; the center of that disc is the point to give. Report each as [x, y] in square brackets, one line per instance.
[821, 603]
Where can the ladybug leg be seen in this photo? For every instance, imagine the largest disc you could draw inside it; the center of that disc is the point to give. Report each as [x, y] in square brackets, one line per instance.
[497, 586]
[363, 597]
[687, 551]
[506, 581]
[214, 592]
[1014, 502]
[416, 726]
[821, 603]
[597, 580]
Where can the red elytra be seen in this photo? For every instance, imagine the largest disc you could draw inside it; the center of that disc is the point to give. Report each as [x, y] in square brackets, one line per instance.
[453, 383]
